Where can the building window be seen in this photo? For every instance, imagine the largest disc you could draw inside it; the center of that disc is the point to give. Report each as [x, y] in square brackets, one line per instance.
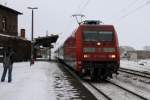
[3, 24]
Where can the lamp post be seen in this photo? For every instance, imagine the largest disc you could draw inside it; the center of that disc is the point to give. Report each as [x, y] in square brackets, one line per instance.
[32, 34]
[32, 26]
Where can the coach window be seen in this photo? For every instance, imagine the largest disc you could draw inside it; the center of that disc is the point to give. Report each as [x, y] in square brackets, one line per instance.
[3, 24]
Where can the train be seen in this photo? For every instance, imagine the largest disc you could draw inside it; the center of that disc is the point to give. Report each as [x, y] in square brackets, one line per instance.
[92, 50]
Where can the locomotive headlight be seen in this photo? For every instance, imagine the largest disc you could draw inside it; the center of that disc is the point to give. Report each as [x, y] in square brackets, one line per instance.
[86, 56]
[98, 43]
[112, 56]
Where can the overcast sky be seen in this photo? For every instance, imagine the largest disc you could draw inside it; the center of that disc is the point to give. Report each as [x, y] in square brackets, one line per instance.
[131, 18]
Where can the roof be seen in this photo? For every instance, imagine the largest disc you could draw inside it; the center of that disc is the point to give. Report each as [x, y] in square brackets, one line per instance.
[7, 40]
[9, 9]
[46, 41]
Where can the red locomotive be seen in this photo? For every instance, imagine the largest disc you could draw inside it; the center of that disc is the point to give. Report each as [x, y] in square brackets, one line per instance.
[92, 50]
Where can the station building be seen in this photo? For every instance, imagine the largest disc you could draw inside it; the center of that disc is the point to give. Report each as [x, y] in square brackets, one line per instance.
[8, 21]
[9, 34]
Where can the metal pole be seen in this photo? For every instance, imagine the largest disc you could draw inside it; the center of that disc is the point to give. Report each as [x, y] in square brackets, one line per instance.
[32, 27]
[32, 24]
[32, 34]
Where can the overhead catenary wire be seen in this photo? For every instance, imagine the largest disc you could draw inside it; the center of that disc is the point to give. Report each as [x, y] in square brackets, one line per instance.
[81, 9]
[124, 9]
[72, 24]
[132, 4]
[80, 5]
[80, 12]
[129, 5]
[134, 10]
[84, 6]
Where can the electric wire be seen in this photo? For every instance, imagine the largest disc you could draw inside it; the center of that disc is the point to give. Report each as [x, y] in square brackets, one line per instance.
[84, 6]
[132, 3]
[123, 10]
[80, 11]
[134, 10]
[80, 5]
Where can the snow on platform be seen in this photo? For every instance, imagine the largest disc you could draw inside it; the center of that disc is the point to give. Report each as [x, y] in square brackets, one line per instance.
[42, 81]
[28, 83]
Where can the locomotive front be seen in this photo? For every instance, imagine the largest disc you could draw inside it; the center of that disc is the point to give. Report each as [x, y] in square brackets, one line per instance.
[98, 56]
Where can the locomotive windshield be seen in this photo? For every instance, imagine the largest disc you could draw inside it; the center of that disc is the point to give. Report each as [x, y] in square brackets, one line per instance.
[98, 36]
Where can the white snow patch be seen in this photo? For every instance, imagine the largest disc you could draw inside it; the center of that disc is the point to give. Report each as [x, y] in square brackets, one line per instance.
[139, 65]
[29, 83]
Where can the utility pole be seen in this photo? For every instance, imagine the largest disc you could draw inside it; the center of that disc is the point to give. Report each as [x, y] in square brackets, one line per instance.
[32, 34]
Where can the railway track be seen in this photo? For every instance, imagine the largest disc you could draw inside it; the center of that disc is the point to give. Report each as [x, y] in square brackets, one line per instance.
[108, 95]
[121, 91]
[76, 77]
[138, 95]
[137, 73]
[99, 91]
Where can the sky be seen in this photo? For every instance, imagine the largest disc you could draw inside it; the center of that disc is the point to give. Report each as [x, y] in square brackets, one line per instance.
[130, 17]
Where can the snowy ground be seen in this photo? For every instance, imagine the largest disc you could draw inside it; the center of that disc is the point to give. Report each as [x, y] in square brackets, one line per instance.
[28, 83]
[45, 81]
[130, 82]
[139, 65]
[42, 81]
